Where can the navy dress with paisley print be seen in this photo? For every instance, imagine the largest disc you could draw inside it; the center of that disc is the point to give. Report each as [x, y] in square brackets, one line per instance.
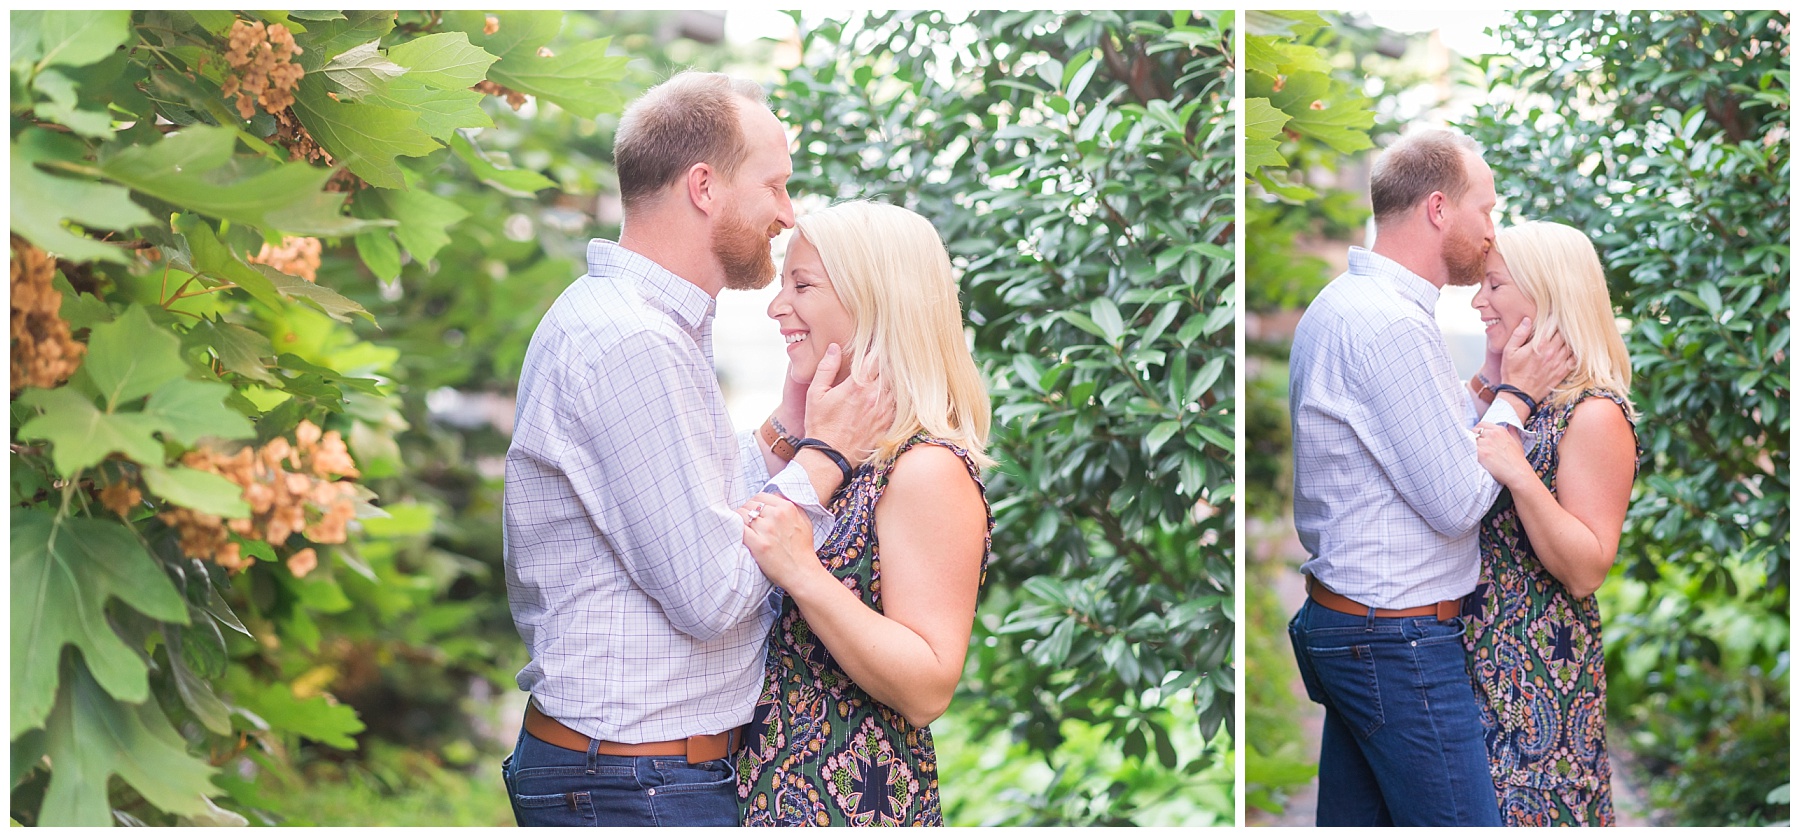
[1539, 668]
[820, 750]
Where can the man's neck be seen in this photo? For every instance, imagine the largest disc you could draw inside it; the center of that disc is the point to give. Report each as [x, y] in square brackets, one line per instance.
[1424, 259]
[675, 253]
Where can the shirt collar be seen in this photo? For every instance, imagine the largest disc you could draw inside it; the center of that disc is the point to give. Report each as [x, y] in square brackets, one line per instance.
[691, 307]
[1408, 284]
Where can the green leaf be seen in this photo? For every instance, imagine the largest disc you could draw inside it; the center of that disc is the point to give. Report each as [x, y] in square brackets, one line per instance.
[519, 183]
[191, 685]
[132, 357]
[77, 38]
[63, 574]
[42, 203]
[581, 78]
[380, 254]
[423, 218]
[445, 60]
[63, 107]
[238, 349]
[189, 410]
[80, 435]
[367, 138]
[79, 309]
[334, 304]
[202, 491]
[360, 71]
[326, 39]
[317, 718]
[91, 737]
[1160, 435]
[1106, 315]
[440, 112]
[1263, 124]
[194, 168]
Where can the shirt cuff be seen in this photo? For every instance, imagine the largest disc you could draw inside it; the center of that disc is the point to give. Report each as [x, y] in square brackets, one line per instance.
[794, 484]
[1501, 412]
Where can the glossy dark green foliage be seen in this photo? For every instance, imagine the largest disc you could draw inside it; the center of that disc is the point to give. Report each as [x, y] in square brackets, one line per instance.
[1080, 169]
[1665, 136]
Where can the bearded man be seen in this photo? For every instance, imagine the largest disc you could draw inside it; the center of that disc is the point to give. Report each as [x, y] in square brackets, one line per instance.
[626, 572]
[1388, 496]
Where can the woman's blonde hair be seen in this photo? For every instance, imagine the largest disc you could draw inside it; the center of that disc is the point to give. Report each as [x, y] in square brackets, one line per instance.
[891, 271]
[1555, 266]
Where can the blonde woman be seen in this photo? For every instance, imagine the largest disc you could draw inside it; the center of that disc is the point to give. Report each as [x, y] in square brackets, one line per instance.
[872, 633]
[1551, 537]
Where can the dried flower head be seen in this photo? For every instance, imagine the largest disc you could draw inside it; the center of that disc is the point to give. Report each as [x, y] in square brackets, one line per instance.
[262, 67]
[308, 499]
[44, 353]
[295, 257]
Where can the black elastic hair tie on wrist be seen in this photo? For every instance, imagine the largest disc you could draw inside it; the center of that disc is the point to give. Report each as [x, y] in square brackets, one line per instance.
[835, 457]
[1531, 406]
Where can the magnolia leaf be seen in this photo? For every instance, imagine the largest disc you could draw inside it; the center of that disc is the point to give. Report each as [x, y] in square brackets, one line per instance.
[132, 357]
[201, 491]
[367, 138]
[42, 202]
[497, 172]
[445, 60]
[334, 304]
[188, 410]
[360, 71]
[63, 573]
[92, 737]
[440, 112]
[193, 168]
[74, 38]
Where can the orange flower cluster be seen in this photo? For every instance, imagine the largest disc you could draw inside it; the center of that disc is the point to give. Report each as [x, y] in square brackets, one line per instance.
[303, 497]
[44, 353]
[513, 97]
[121, 497]
[295, 257]
[262, 67]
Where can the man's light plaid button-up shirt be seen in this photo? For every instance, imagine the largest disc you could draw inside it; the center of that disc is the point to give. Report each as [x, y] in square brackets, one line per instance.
[626, 571]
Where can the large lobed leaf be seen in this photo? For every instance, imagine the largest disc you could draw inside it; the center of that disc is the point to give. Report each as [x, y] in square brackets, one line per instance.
[64, 570]
[92, 736]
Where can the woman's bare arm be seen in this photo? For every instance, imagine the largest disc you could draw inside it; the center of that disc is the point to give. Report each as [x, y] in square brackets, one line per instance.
[931, 524]
[1575, 532]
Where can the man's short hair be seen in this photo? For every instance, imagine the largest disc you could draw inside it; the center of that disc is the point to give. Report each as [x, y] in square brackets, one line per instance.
[1416, 165]
[691, 118]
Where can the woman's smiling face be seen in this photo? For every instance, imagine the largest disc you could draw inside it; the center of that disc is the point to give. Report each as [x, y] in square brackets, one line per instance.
[1501, 303]
[809, 312]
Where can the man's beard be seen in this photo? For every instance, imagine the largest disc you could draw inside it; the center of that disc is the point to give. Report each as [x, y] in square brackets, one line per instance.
[743, 250]
[1466, 258]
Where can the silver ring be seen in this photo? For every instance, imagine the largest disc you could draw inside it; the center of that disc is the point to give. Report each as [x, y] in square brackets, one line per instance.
[756, 512]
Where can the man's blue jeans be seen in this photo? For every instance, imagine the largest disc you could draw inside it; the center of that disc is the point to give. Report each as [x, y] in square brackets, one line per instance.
[1403, 740]
[553, 786]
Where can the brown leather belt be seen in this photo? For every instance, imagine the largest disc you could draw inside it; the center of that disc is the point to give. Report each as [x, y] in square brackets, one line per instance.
[1444, 610]
[696, 748]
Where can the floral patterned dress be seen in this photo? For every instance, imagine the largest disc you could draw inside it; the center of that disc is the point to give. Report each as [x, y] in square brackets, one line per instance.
[1539, 669]
[820, 750]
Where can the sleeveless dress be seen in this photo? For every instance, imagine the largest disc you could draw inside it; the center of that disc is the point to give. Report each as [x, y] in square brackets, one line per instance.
[1538, 666]
[820, 750]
